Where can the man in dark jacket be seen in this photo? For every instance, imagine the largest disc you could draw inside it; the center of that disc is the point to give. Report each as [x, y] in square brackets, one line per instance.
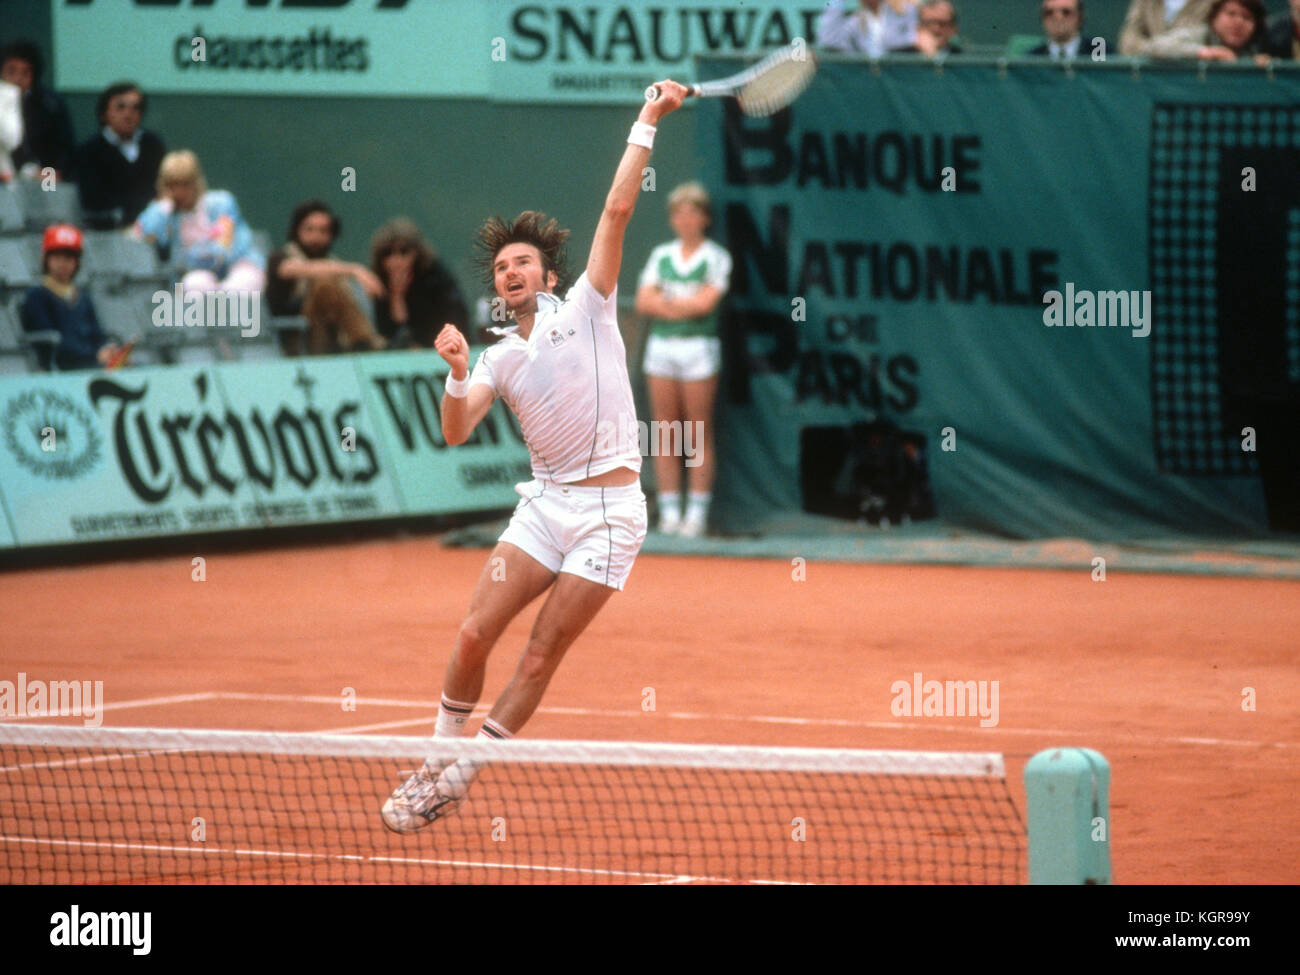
[1063, 30]
[118, 169]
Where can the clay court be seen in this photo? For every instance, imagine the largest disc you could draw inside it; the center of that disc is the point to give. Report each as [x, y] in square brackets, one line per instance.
[1150, 670]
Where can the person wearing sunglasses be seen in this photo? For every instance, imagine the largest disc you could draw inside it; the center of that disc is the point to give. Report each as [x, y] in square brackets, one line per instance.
[1063, 30]
[421, 295]
[936, 30]
[117, 169]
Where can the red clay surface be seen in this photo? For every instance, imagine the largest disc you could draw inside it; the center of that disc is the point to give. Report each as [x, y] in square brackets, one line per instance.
[1148, 670]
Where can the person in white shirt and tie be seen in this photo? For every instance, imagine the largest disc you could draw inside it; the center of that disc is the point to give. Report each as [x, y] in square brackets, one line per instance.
[1063, 28]
[117, 168]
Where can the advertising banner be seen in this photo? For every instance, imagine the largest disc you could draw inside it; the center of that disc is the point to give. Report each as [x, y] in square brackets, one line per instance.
[507, 50]
[1060, 300]
[93, 456]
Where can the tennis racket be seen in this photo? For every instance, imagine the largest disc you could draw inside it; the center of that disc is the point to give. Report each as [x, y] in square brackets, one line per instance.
[764, 89]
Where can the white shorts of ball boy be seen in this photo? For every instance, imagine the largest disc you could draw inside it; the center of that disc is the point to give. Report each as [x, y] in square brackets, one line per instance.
[591, 532]
[684, 359]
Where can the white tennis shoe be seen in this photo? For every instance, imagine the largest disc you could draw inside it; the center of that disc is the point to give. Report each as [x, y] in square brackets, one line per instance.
[693, 525]
[670, 521]
[418, 802]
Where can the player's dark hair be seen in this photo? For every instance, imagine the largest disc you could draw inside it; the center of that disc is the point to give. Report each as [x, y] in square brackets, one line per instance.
[111, 92]
[530, 227]
[304, 210]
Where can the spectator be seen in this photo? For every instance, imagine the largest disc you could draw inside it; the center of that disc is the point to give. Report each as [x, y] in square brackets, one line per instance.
[1063, 26]
[1282, 34]
[305, 280]
[870, 27]
[422, 296]
[200, 230]
[1233, 29]
[11, 127]
[679, 292]
[1149, 19]
[57, 304]
[935, 30]
[47, 126]
[118, 167]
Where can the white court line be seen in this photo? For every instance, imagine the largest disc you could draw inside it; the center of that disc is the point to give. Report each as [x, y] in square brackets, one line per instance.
[1090, 735]
[915, 726]
[382, 726]
[325, 699]
[777, 719]
[352, 858]
[142, 702]
[152, 702]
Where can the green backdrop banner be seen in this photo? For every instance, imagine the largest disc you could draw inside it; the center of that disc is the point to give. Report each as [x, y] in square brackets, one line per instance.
[92, 456]
[898, 237]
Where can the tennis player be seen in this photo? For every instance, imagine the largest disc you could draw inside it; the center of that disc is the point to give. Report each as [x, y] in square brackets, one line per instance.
[562, 369]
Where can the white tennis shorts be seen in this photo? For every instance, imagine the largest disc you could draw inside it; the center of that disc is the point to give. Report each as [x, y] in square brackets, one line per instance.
[683, 359]
[591, 532]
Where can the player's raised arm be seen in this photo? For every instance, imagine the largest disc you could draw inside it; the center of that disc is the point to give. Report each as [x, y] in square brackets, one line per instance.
[463, 406]
[607, 246]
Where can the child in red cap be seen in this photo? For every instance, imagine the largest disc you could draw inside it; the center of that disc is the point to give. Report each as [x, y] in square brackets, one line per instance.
[57, 304]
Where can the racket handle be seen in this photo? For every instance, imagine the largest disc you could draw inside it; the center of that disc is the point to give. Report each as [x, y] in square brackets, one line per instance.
[121, 356]
[652, 93]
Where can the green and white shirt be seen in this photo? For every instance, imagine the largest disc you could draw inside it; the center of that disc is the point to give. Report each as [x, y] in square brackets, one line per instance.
[678, 278]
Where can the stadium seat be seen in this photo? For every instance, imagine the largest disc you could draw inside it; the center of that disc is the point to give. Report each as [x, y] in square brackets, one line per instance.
[12, 358]
[9, 327]
[115, 258]
[1018, 45]
[256, 350]
[16, 273]
[188, 345]
[35, 258]
[124, 312]
[17, 346]
[43, 207]
[12, 220]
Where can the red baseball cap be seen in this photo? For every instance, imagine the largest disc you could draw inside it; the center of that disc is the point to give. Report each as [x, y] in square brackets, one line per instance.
[61, 237]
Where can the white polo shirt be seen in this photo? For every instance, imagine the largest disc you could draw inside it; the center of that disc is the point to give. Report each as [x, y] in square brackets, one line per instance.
[568, 385]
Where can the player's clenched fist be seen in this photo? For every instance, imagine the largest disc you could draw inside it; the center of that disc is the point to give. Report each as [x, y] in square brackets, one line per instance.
[453, 348]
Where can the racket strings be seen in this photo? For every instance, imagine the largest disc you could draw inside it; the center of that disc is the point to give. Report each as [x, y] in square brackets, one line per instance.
[777, 87]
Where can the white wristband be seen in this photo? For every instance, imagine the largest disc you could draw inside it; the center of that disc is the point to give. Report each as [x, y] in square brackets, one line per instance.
[457, 387]
[642, 134]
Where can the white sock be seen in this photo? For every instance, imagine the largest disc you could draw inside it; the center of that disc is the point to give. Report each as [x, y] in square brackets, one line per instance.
[453, 718]
[670, 504]
[495, 731]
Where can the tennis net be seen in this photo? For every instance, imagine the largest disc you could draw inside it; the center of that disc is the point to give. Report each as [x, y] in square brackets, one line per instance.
[139, 805]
